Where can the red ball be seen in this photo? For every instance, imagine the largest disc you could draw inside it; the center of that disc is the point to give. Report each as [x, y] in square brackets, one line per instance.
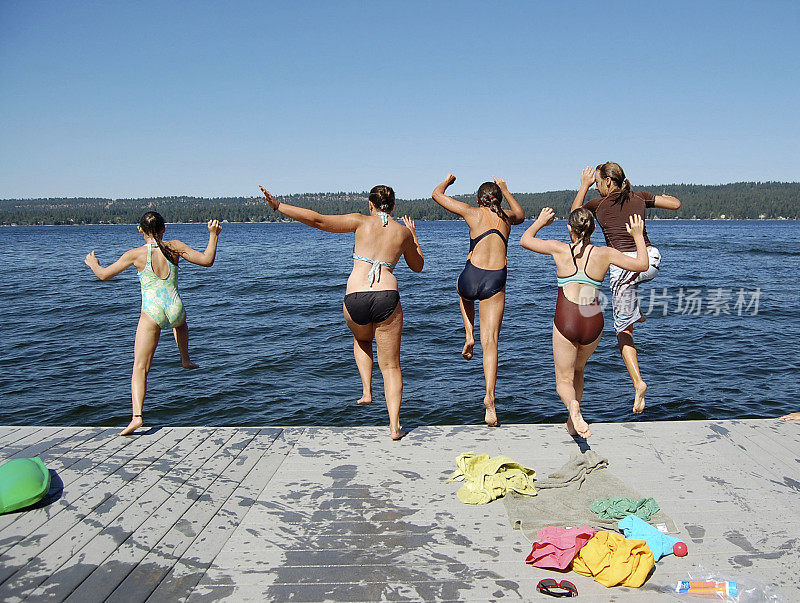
[680, 549]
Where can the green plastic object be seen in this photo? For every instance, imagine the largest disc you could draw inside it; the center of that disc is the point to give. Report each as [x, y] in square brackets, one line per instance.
[23, 482]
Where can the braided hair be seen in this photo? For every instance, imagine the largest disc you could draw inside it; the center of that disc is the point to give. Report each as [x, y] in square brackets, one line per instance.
[581, 221]
[152, 224]
[490, 196]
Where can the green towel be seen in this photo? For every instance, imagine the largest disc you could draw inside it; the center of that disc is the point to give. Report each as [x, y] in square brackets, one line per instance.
[490, 478]
[620, 508]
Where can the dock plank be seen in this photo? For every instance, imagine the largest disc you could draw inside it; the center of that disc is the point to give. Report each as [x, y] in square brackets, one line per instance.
[84, 459]
[193, 560]
[29, 563]
[35, 442]
[89, 489]
[109, 565]
[344, 514]
[136, 530]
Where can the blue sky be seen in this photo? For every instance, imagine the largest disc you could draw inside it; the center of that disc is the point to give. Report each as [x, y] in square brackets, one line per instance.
[131, 99]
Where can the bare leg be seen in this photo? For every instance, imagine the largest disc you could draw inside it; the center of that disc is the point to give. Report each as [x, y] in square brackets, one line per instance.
[629, 356]
[794, 416]
[144, 347]
[362, 350]
[181, 333]
[565, 357]
[468, 315]
[584, 353]
[491, 317]
[387, 337]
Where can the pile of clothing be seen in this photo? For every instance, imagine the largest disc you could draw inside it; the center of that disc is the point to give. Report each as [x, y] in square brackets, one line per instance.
[609, 557]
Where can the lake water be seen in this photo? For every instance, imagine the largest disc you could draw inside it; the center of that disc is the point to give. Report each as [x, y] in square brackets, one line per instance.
[266, 327]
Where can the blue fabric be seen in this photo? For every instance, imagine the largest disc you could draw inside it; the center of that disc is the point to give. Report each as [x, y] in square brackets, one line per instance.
[374, 274]
[579, 277]
[658, 542]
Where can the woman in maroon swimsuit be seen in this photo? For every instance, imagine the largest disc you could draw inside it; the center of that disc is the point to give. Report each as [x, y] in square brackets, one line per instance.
[578, 323]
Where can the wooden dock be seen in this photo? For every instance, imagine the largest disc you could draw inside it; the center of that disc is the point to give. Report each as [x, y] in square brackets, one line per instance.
[345, 514]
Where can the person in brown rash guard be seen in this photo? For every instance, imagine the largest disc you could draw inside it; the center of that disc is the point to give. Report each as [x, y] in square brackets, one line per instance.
[613, 210]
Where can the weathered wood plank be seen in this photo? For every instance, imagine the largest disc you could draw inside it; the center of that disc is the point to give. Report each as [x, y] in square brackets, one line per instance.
[194, 559]
[13, 434]
[107, 561]
[84, 459]
[201, 500]
[90, 479]
[25, 567]
[344, 514]
[35, 442]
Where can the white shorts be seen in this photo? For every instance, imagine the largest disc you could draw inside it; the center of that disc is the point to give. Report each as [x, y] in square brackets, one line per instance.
[624, 289]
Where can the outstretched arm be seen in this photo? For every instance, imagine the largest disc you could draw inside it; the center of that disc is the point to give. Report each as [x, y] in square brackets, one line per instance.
[516, 215]
[114, 269]
[641, 262]
[666, 202]
[529, 240]
[587, 180]
[335, 223]
[195, 257]
[412, 252]
[450, 204]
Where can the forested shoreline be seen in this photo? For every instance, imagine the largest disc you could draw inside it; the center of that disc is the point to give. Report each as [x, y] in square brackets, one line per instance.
[741, 200]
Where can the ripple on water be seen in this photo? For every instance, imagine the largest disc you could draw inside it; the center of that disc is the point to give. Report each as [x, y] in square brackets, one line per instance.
[266, 327]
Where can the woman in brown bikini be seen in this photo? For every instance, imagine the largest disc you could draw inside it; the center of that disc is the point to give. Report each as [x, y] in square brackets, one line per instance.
[578, 323]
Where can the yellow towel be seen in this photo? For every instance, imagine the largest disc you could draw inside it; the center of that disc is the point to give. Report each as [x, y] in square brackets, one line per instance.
[490, 478]
[613, 559]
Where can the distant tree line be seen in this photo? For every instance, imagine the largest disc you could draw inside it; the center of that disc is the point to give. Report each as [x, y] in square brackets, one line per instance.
[739, 200]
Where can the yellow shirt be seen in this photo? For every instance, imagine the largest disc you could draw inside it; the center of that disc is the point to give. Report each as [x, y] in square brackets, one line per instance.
[613, 559]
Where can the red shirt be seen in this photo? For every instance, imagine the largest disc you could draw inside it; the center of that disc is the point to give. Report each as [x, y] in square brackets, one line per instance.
[612, 216]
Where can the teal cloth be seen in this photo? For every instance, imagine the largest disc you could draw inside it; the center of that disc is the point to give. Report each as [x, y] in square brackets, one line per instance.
[619, 508]
[658, 542]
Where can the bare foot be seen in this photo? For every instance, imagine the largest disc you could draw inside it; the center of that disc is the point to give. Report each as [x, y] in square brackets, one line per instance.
[136, 423]
[490, 416]
[794, 416]
[638, 402]
[188, 364]
[365, 400]
[467, 351]
[581, 427]
[570, 429]
[399, 434]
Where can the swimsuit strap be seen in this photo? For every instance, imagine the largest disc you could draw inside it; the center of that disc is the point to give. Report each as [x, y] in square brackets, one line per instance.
[579, 275]
[586, 263]
[149, 255]
[572, 254]
[489, 216]
[384, 217]
[374, 274]
[480, 237]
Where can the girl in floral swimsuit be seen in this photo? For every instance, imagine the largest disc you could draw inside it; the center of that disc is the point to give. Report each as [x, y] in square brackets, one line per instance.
[162, 308]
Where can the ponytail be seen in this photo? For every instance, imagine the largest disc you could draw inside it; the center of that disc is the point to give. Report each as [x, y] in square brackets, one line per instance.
[490, 196]
[171, 256]
[152, 224]
[581, 221]
[625, 191]
[612, 170]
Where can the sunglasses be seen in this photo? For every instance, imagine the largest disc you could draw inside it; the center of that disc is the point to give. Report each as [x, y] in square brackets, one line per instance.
[565, 588]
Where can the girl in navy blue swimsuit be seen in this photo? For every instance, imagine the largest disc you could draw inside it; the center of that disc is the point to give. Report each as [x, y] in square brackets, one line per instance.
[484, 276]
